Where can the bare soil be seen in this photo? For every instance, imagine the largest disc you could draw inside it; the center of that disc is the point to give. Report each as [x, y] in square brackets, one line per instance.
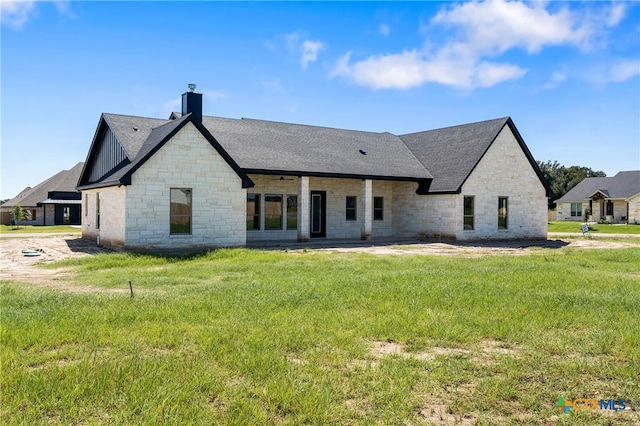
[15, 266]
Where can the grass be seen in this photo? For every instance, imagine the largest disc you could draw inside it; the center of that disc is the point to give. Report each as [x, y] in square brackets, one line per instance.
[250, 337]
[575, 227]
[29, 229]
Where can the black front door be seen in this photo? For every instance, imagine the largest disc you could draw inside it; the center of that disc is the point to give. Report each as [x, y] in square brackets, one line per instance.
[318, 214]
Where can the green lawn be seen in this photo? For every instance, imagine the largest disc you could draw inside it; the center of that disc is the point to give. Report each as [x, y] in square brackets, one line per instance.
[250, 337]
[8, 229]
[601, 229]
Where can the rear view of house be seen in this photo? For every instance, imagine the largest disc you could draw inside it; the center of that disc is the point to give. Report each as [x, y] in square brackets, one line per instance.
[194, 181]
[614, 199]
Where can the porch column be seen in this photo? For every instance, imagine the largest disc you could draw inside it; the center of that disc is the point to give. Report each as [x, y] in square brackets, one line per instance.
[366, 195]
[304, 208]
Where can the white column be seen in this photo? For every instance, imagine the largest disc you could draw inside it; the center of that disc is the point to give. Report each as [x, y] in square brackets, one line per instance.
[304, 208]
[366, 195]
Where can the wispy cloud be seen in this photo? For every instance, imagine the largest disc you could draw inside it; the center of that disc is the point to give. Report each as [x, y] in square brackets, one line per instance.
[302, 47]
[16, 13]
[624, 70]
[309, 51]
[480, 33]
[385, 29]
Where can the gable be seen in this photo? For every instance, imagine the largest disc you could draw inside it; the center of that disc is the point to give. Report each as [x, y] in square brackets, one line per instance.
[137, 152]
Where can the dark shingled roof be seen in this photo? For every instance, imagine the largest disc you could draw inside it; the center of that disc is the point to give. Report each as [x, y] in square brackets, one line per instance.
[446, 156]
[64, 181]
[451, 153]
[267, 146]
[621, 186]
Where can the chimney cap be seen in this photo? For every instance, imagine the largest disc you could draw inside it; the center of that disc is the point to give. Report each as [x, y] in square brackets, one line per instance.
[192, 87]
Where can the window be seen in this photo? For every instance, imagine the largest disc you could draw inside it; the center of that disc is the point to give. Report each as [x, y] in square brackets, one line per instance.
[66, 215]
[30, 214]
[378, 208]
[468, 213]
[180, 211]
[98, 210]
[292, 212]
[609, 208]
[86, 204]
[350, 208]
[576, 209]
[253, 211]
[273, 211]
[502, 213]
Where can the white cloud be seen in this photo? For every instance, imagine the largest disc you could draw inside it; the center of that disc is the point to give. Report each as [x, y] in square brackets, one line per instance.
[16, 13]
[298, 44]
[385, 29]
[481, 32]
[625, 70]
[310, 51]
[557, 78]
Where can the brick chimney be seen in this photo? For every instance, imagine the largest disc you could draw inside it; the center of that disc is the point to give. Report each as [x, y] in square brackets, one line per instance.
[192, 103]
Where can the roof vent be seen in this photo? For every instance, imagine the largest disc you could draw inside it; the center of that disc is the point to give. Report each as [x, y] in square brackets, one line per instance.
[363, 151]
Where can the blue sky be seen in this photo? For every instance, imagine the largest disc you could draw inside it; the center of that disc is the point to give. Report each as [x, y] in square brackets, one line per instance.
[567, 73]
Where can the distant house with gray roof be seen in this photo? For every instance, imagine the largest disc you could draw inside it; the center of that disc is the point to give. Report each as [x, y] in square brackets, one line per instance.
[55, 201]
[194, 181]
[615, 199]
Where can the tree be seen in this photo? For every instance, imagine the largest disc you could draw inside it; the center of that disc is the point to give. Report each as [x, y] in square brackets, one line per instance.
[562, 179]
[18, 214]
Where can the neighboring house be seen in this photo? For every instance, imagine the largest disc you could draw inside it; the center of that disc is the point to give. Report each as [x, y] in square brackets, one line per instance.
[615, 199]
[52, 202]
[194, 182]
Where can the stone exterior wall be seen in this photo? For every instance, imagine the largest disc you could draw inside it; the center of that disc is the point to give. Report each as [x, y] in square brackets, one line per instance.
[504, 171]
[634, 210]
[337, 226]
[564, 211]
[423, 216]
[218, 199]
[112, 216]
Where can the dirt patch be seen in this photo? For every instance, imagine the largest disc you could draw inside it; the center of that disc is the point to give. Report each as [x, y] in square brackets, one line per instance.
[16, 266]
[478, 248]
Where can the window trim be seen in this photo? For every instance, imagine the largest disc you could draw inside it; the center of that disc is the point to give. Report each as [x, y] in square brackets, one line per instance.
[172, 215]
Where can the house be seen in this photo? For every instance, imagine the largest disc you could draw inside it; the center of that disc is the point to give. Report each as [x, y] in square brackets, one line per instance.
[194, 181]
[52, 202]
[614, 199]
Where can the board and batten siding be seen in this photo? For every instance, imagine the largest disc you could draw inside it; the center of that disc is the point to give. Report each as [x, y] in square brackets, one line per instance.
[110, 154]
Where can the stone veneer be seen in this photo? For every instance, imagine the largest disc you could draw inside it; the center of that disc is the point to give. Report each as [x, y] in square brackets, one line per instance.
[137, 216]
[503, 171]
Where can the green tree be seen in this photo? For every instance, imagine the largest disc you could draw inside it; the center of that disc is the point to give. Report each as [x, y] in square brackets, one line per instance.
[18, 214]
[562, 179]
